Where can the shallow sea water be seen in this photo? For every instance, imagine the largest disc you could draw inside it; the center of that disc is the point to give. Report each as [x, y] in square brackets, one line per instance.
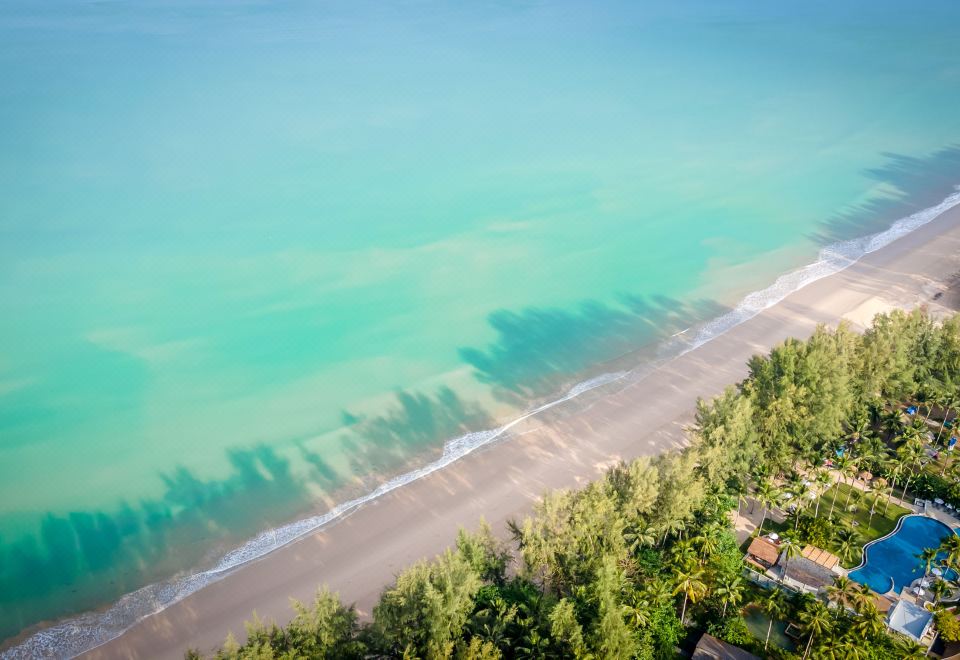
[258, 259]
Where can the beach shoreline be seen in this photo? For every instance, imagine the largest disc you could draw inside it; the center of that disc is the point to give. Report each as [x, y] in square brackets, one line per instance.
[360, 552]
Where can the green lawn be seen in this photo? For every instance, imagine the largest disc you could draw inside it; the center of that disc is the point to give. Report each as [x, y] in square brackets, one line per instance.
[884, 519]
[857, 518]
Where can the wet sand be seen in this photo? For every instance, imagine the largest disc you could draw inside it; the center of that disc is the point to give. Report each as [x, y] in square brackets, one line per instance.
[361, 553]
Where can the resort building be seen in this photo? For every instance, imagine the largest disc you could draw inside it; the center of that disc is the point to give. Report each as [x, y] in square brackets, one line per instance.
[763, 553]
[711, 648]
[802, 574]
[911, 620]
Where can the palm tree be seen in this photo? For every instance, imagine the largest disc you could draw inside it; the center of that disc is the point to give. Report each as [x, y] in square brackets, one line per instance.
[907, 649]
[894, 470]
[823, 480]
[789, 550]
[841, 465]
[801, 491]
[816, 621]
[870, 621]
[767, 495]
[876, 489]
[850, 470]
[846, 544]
[845, 647]
[951, 546]
[709, 540]
[490, 623]
[892, 422]
[775, 607]
[842, 592]
[912, 453]
[730, 591]
[639, 537]
[682, 551]
[689, 582]
[928, 557]
[863, 598]
[947, 402]
[673, 527]
[741, 499]
[940, 590]
[638, 608]
[859, 429]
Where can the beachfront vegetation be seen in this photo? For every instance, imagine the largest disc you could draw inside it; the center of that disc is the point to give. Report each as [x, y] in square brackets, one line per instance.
[639, 562]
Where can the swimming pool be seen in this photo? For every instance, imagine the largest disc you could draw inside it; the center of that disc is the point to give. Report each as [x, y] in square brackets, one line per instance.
[892, 563]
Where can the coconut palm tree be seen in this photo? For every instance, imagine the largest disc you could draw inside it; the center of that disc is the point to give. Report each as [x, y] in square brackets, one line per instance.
[843, 466]
[847, 544]
[907, 649]
[788, 549]
[842, 592]
[951, 547]
[850, 470]
[870, 622]
[767, 495]
[675, 527]
[940, 590]
[729, 590]
[859, 429]
[815, 620]
[912, 452]
[683, 551]
[894, 469]
[947, 402]
[688, 580]
[892, 422]
[639, 537]
[638, 608]
[741, 500]
[863, 599]
[877, 489]
[823, 480]
[708, 540]
[775, 607]
[928, 557]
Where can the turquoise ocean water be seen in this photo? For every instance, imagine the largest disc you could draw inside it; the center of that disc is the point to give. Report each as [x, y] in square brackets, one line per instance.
[258, 257]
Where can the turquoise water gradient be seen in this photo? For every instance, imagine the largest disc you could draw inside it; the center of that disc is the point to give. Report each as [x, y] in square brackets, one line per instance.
[256, 255]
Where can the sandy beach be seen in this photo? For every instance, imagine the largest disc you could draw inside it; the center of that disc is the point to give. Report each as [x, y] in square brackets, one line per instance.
[570, 445]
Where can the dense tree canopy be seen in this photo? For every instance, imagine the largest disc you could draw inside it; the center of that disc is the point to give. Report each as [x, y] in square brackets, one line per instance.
[628, 565]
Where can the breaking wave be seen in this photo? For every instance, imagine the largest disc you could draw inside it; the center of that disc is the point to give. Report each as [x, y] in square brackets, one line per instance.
[87, 631]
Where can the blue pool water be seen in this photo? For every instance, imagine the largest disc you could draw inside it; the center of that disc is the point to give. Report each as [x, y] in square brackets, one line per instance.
[893, 563]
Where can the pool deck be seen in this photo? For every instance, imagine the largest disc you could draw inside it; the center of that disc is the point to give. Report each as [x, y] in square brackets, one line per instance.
[943, 515]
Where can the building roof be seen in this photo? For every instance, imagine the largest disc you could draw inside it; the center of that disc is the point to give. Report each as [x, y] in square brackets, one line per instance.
[765, 550]
[909, 619]
[711, 648]
[882, 602]
[820, 556]
[809, 573]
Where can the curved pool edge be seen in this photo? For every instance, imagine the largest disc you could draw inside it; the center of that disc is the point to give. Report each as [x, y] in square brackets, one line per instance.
[893, 532]
[896, 528]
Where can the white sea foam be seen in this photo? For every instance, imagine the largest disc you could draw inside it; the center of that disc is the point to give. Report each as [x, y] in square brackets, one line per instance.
[92, 629]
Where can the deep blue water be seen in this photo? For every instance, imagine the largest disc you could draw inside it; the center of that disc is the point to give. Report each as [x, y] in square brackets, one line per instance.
[895, 557]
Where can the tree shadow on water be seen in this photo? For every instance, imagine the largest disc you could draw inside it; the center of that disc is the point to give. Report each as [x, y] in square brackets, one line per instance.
[914, 184]
[415, 423]
[80, 560]
[536, 349]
